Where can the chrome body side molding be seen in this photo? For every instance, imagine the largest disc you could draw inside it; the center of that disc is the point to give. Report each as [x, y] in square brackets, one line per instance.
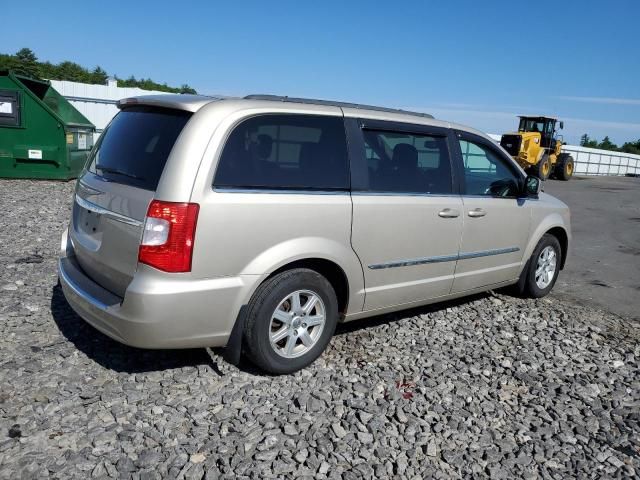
[442, 258]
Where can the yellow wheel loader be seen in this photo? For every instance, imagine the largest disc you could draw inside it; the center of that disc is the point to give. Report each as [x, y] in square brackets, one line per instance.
[536, 146]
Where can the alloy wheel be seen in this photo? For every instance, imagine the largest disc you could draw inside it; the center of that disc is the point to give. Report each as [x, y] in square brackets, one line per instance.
[297, 323]
[546, 267]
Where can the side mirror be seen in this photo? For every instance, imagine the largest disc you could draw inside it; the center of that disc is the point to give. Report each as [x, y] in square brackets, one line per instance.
[532, 186]
[561, 125]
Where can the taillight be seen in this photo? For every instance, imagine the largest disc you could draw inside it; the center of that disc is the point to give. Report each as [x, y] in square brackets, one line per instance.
[169, 231]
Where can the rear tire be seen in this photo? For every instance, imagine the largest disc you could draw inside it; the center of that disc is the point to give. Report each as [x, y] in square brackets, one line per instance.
[564, 167]
[276, 333]
[544, 267]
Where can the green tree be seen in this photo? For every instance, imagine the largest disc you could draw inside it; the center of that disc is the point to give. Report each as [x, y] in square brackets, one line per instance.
[26, 55]
[586, 141]
[8, 62]
[26, 62]
[72, 71]
[187, 89]
[99, 76]
[631, 147]
[47, 70]
[148, 84]
[129, 82]
[607, 144]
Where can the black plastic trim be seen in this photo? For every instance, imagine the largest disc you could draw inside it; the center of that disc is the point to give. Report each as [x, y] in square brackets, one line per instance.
[233, 349]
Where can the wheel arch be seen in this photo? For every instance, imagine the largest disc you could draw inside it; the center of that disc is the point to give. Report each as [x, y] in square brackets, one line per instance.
[334, 274]
[561, 234]
[553, 224]
[335, 260]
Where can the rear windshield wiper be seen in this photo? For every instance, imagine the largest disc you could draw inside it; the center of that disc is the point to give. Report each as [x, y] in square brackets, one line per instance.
[117, 171]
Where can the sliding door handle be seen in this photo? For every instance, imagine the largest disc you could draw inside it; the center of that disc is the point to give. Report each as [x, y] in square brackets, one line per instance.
[477, 212]
[449, 213]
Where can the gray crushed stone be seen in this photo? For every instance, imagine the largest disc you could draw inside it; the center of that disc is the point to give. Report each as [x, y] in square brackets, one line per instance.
[491, 386]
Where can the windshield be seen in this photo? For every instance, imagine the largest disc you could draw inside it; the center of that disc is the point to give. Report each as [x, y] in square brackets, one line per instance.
[135, 146]
[531, 125]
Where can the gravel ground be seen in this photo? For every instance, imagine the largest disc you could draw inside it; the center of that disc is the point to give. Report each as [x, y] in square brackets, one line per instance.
[492, 386]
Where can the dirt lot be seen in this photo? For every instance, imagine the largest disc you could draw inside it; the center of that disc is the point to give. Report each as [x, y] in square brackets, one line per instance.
[604, 267]
[491, 386]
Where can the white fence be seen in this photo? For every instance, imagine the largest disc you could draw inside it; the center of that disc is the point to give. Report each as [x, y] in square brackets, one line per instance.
[97, 102]
[593, 161]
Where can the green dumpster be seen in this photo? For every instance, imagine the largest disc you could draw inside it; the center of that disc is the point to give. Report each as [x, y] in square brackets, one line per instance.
[41, 134]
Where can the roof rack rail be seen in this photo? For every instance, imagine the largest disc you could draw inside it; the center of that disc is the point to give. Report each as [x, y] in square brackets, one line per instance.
[312, 101]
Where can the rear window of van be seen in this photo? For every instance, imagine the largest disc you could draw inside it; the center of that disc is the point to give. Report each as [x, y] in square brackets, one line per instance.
[134, 148]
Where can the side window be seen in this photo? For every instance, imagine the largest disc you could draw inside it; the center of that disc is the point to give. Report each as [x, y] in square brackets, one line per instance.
[485, 173]
[303, 152]
[406, 162]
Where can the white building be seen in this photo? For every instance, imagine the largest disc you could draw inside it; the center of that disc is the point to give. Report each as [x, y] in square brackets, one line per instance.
[98, 102]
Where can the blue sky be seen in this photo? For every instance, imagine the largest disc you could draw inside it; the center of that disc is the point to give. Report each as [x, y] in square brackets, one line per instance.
[473, 62]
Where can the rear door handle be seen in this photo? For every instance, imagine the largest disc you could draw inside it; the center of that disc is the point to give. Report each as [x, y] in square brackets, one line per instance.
[448, 213]
[477, 212]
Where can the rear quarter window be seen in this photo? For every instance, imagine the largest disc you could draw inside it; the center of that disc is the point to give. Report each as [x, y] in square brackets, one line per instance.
[288, 152]
[134, 148]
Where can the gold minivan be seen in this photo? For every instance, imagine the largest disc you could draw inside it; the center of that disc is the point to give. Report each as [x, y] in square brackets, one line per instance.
[259, 223]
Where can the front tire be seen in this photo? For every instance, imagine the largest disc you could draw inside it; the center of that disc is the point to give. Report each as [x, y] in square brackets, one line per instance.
[544, 267]
[564, 168]
[543, 168]
[290, 321]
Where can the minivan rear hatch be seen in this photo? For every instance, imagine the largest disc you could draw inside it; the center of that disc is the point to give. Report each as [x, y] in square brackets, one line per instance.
[113, 194]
